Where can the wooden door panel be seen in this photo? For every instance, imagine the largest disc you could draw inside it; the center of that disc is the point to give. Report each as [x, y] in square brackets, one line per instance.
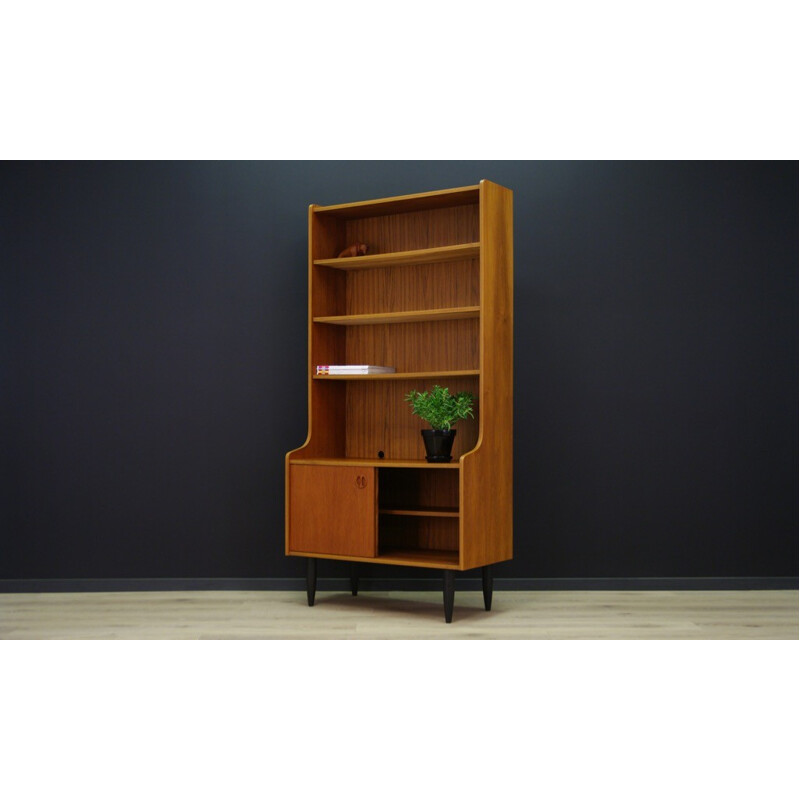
[333, 510]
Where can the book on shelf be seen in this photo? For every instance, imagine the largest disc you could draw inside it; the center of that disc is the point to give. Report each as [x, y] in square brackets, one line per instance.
[352, 369]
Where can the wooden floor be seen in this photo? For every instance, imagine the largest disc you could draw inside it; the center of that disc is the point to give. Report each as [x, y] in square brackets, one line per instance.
[400, 615]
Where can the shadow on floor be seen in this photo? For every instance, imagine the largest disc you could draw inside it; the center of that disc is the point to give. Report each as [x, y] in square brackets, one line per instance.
[392, 603]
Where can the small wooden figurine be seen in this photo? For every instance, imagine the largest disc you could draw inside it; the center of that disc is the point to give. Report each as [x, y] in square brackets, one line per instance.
[357, 249]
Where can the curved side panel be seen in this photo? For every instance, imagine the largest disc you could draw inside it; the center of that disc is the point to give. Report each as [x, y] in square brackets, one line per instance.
[326, 401]
[486, 475]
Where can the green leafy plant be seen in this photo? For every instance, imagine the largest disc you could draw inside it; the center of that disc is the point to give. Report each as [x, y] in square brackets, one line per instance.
[440, 408]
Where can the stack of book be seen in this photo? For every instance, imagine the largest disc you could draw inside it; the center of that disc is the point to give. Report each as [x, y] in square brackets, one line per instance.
[352, 369]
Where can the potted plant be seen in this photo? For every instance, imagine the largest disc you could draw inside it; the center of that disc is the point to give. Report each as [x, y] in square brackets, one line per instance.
[440, 410]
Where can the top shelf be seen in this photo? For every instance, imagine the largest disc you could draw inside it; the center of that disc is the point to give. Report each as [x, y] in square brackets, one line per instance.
[431, 255]
[464, 196]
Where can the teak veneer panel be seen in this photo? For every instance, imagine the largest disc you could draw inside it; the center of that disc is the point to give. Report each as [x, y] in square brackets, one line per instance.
[450, 284]
[343, 517]
[487, 474]
[326, 291]
[415, 347]
[326, 345]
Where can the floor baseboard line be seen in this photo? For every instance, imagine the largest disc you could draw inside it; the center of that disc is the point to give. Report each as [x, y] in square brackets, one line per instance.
[377, 584]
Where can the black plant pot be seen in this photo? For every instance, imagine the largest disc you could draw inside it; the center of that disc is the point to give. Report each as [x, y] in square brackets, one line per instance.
[438, 445]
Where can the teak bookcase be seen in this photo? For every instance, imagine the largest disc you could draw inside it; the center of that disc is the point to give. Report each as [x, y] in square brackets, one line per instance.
[434, 299]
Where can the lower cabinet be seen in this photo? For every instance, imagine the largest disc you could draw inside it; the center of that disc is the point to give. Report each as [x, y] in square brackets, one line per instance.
[333, 510]
[406, 516]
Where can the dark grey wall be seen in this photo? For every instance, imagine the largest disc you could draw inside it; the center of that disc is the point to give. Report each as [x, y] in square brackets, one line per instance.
[154, 342]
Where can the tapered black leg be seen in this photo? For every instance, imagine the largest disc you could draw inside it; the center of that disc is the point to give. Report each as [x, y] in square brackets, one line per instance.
[449, 593]
[311, 580]
[488, 585]
[354, 577]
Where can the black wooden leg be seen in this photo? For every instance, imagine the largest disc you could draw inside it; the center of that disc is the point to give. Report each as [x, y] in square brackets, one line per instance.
[449, 593]
[354, 577]
[488, 584]
[311, 580]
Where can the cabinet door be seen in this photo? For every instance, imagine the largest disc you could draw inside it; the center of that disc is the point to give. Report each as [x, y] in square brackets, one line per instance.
[333, 510]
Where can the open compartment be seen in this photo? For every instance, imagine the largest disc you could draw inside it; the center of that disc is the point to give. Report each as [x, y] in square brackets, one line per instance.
[415, 346]
[418, 515]
[432, 541]
[379, 423]
[418, 492]
[444, 221]
[413, 287]
[418, 260]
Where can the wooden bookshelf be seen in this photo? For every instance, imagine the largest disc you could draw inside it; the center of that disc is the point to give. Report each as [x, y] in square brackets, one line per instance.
[434, 299]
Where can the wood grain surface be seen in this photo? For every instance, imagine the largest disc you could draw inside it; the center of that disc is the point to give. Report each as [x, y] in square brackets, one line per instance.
[401, 615]
[408, 203]
[487, 472]
[428, 255]
[333, 510]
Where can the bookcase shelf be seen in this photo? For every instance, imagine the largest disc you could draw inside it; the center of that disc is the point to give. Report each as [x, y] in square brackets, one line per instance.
[420, 512]
[428, 315]
[428, 255]
[434, 299]
[402, 557]
[375, 462]
[445, 559]
[403, 204]
[402, 376]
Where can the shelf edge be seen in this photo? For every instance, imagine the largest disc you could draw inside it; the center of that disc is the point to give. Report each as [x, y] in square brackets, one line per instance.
[401, 317]
[402, 376]
[430, 255]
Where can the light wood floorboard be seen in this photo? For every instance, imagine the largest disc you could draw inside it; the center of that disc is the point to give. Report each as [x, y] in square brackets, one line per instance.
[401, 615]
